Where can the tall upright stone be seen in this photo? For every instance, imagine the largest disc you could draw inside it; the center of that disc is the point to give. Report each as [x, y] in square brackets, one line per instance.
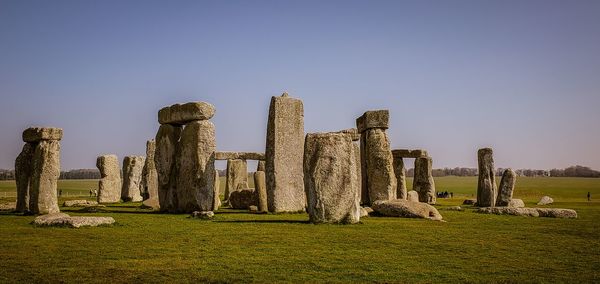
[46, 171]
[400, 173]
[378, 178]
[330, 177]
[109, 185]
[486, 186]
[132, 178]
[237, 173]
[260, 167]
[506, 188]
[23, 172]
[260, 189]
[165, 160]
[284, 154]
[149, 175]
[423, 181]
[216, 192]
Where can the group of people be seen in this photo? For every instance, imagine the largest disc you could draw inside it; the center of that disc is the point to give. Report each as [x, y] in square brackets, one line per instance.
[445, 194]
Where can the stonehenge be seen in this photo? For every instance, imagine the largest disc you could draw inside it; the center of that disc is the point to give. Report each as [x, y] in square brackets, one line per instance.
[237, 174]
[239, 156]
[216, 192]
[132, 178]
[167, 146]
[37, 169]
[423, 181]
[506, 188]
[109, 185]
[486, 186]
[149, 175]
[407, 209]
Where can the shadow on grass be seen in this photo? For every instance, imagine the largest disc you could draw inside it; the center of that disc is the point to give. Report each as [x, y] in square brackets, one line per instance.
[264, 221]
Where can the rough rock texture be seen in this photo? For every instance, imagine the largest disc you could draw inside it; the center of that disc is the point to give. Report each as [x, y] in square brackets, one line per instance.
[505, 190]
[423, 181]
[357, 160]
[239, 155]
[64, 220]
[36, 134]
[216, 192]
[132, 178]
[260, 190]
[406, 153]
[261, 166]
[152, 203]
[373, 119]
[353, 132]
[237, 173]
[8, 206]
[109, 185]
[545, 200]
[179, 114]
[407, 209]
[204, 215]
[486, 187]
[284, 154]
[516, 203]
[330, 178]
[531, 212]
[46, 170]
[23, 173]
[79, 203]
[149, 174]
[469, 202]
[380, 177]
[400, 173]
[196, 173]
[242, 199]
[412, 196]
[165, 160]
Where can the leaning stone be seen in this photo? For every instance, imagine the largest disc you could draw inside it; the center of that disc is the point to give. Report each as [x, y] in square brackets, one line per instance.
[400, 173]
[423, 181]
[149, 174]
[486, 187]
[37, 134]
[64, 220]
[180, 114]
[79, 203]
[516, 203]
[236, 175]
[412, 196]
[165, 160]
[406, 153]
[545, 200]
[284, 154]
[330, 178]
[239, 155]
[260, 186]
[530, 212]
[506, 188]
[373, 119]
[132, 178]
[407, 209]
[204, 215]
[109, 185]
[381, 180]
[46, 171]
[242, 199]
[23, 172]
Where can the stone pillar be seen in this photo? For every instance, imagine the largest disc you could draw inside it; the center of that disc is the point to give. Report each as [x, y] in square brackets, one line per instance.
[486, 187]
[109, 185]
[284, 154]
[400, 173]
[330, 178]
[423, 182]
[149, 176]
[216, 194]
[236, 176]
[132, 178]
[378, 169]
[261, 166]
[260, 190]
[506, 188]
[165, 160]
[23, 172]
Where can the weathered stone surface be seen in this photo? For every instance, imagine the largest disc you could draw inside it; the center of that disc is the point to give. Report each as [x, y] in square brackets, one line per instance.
[253, 208]
[412, 196]
[149, 175]
[373, 119]
[260, 185]
[505, 190]
[46, 170]
[545, 200]
[23, 173]
[8, 206]
[165, 160]
[152, 204]
[204, 215]
[469, 202]
[486, 187]
[237, 174]
[358, 162]
[179, 114]
[423, 181]
[400, 173]
[364, 187]
[242, 199]
[216, 194]
[363, 212]
[284, 154]
[406, 153]
[196, 175]
[407, 209]
[109, 185]
[516, 203]
[239, 156]
[36, 134]
[64, 220]
[530, 212]
[261, 166]
[132, 178]
[352, 132]
[380, 177]
[79, 203]
[330, 180]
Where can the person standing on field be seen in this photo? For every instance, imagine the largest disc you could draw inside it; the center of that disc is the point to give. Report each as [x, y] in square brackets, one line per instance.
[589, 196]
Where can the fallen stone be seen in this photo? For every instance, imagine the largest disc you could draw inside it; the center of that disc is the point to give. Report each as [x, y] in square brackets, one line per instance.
[486, 186]
[79, 203]
[165, 160]
[236, 175]
[109, 185]
[373, 119]
[407, 209]
[64, 220]
[530, 212]
[407, 153]
[204, 215]
[365, 211]
[412, 196]
[8, 206]
[180, 114]
[516, 203]
[152, 204]
[253, 208]
[506, 188]
[423, 181]
[23, 173]
[242, 199]
[545, 200]
[132, 178]
[37, 134]
[46, 171]
[469, 202]
[239, 155]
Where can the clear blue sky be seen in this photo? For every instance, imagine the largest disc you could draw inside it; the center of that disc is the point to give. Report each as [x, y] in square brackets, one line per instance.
[522, 77]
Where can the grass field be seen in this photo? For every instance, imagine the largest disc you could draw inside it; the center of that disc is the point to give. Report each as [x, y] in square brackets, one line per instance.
[241, 247]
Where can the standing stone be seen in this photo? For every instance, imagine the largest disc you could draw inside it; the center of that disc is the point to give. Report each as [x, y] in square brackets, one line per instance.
[237, 174]
[260, 186]
[217, 189]
[132, 178]
[46, 171]
[261, 166]
[412, 196]
[400, 172]
[486, 187]
[109, 186]
[165, 160]
[507, 185]
[423, 181]
[23, 172]
[149, 175]
[330, 178]
[381, 181]
[364, 188]
[284, 154]
[196, 176]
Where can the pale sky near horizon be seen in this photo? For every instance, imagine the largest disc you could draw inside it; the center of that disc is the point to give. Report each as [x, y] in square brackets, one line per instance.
[522, 77]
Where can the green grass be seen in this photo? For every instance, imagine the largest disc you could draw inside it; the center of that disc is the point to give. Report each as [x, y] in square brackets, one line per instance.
[241, 247]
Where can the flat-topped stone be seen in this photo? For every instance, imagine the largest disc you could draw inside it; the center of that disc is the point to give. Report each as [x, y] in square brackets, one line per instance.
[64, 220]
[408, 153]
[79, 203]
[352, 132]
[179, 114]
[373, 119]
[225, 155]
[36, 134]
[530, 212]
